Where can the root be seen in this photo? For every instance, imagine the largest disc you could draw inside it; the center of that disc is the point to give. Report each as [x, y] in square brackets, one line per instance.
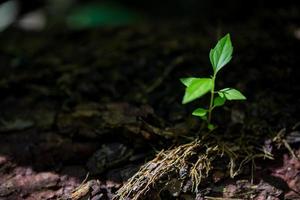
[192, 160]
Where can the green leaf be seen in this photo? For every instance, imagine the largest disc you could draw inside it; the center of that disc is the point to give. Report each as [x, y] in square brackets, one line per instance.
[219, 101]
[211, 127]
[199, 112]
[204, 118]
[221, 94]
[221, 54]
[231, 94]
[196, 89]
[188, 81]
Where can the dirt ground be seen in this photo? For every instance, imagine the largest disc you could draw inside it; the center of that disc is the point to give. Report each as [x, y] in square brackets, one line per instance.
[82, 111]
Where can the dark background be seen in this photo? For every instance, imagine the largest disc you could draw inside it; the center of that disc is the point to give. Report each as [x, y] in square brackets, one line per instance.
[195, 10]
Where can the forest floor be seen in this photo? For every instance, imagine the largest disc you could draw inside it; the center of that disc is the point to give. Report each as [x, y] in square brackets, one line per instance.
[81, 112]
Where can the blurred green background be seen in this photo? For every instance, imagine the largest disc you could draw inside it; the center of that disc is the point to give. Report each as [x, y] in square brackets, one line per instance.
[76, 14]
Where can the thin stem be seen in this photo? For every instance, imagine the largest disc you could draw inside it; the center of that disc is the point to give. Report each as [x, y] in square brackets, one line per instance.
[212, 92]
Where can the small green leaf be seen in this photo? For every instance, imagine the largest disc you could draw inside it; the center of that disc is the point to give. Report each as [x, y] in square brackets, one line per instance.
[221, 54]
[231, 94]
[211, 127]
[199, 112]
[219, 101]
[221, 94]
[188, 81]
[204, 118]
[196, 89]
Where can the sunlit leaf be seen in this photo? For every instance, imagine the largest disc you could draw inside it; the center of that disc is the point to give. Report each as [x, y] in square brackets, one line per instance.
[197, 89]
[221, 54]
[188, 81]
[231, 94]
[200, 112]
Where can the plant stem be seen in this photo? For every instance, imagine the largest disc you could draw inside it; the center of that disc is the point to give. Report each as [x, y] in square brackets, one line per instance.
[212, 92]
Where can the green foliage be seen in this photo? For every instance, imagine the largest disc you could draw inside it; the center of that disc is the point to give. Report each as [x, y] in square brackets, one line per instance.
[200, 112]
[187, 81]
[231, 94]
[219, 101]
[196, 88]
[219, 56]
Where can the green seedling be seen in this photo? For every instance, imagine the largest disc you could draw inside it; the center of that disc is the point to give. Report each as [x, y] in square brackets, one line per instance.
[198, 87]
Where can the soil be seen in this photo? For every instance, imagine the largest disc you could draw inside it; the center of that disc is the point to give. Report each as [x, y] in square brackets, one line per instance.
[82, 111]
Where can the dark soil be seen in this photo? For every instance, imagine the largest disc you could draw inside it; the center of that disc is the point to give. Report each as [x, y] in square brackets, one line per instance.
[93, 106]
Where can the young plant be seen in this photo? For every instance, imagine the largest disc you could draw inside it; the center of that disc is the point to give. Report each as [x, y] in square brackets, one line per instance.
[198, 87]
